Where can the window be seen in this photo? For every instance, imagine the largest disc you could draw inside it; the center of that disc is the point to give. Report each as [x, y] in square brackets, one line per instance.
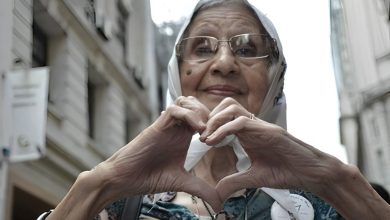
[91, 108]
[387, 7]
[96, 12]
[39, 50]
[92, 93]
[96, 92]
[384, 7]
[388, 10]
[128, 125]
[132, 123]
[40, 45]
[90, 11]
[121, 34]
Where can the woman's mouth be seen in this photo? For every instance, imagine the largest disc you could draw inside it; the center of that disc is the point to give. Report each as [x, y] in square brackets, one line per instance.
[223, 90]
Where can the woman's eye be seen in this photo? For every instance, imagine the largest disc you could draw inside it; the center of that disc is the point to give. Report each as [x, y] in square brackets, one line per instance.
[245, 52]
[203, 51]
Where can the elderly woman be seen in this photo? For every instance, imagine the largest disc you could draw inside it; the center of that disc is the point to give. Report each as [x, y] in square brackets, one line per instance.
[221, 142]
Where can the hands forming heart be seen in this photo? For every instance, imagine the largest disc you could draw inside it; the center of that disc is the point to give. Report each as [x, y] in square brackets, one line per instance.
[153, 161]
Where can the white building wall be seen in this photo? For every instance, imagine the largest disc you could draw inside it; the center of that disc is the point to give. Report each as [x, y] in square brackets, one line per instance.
[360, 41]
[364, 86]
[150, 57]
[75, 91]
[112, 106]
[73, 45]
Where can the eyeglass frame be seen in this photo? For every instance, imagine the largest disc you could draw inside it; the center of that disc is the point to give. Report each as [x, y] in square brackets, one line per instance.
[273, 49]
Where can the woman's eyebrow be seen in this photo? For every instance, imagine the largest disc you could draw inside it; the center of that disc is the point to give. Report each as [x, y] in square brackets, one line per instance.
[201, 31]
[244, 29]
[205, 29]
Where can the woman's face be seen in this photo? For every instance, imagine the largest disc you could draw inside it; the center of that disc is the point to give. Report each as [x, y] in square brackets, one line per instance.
[224, 75]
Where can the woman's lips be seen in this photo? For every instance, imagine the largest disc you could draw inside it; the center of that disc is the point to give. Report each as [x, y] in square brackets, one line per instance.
[223, 90]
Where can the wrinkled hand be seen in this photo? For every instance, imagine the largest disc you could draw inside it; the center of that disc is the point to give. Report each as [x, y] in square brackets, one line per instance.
[278, 159]
[153, 161]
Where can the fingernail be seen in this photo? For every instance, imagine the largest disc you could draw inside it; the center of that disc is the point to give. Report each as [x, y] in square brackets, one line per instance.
[202, 135]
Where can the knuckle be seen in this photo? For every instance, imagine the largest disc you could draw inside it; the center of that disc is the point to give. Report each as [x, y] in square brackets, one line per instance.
[229, 100]
[242, 118]
[234, 109]
[170, 108]
[180, 98]
[278, 130]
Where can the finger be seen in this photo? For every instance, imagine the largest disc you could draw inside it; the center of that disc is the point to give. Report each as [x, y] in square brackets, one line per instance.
[186, 115]
[226, 129]
[217, 119]
[225, 103]
[190, 102]
[175, 115]
[180, 101]
[195, 105]
[197, 187]
[226, 111]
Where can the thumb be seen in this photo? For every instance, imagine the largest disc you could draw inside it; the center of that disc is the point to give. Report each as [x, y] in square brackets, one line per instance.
[197, 187]
[235, 182]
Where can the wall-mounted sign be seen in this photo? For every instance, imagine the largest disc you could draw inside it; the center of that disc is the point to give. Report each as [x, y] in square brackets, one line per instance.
[25, 111]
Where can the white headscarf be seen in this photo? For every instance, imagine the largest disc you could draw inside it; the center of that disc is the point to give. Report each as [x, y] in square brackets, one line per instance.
[273, 109]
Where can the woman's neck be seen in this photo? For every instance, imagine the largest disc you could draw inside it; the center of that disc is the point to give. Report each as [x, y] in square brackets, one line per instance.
[216, 164]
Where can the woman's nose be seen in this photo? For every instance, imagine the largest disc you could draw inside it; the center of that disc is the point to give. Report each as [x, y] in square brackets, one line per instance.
[224, 61]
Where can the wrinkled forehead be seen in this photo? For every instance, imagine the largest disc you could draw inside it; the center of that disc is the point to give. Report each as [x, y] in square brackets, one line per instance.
[265, 25]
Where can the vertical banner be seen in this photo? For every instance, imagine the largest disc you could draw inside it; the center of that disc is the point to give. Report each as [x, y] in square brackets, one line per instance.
[25, 99]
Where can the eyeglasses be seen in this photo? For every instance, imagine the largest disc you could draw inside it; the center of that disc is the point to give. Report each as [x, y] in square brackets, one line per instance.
[244, 46]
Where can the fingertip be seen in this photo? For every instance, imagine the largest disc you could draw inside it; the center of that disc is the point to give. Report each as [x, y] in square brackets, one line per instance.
[208, 142]
[205, 135]
[202, 137]
[212, 140]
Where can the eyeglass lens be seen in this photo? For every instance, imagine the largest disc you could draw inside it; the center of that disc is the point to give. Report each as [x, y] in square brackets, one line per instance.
[243, 46]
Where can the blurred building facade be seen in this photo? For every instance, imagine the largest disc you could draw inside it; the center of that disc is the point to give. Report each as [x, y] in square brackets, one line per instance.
[360, 38]
[102, 90]
[165, 38]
